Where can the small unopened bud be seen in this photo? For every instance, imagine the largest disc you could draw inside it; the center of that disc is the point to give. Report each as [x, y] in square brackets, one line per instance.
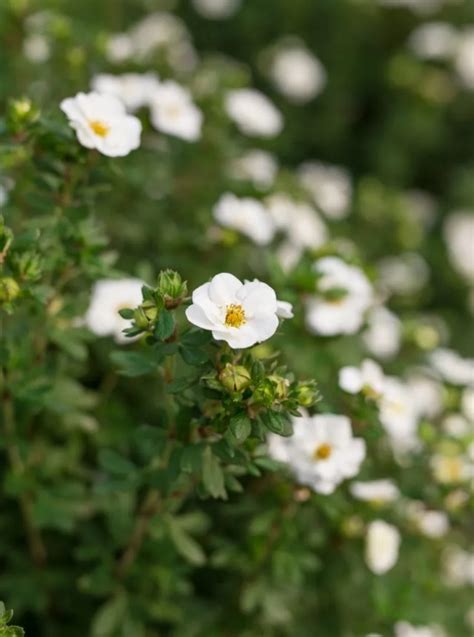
[280, 385]
[21, 113]
[171, 287]
[140, 319]
[307, 394]
[9, 289]
[235, 377]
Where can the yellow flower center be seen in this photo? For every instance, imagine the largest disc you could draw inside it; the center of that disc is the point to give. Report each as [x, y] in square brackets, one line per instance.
[235, 315]
[322, 452]
[99, 128]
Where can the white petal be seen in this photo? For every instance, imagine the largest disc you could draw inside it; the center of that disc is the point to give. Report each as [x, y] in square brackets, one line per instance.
[350, 380]
[223, 288]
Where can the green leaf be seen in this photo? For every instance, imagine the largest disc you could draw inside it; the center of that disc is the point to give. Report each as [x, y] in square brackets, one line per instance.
[134, 364]
[126, 313]
[109, 617]
[277, 423]
[184, 543]
[194, 356]
[191, 458]
[164, 325]
[241, 427]
[212, 474]
[114, 463]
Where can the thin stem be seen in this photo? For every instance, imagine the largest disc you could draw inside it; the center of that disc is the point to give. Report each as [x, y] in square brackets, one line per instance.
[146, 512]
[36, 545]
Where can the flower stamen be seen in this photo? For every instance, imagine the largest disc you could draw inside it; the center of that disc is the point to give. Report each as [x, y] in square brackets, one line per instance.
[235, 315]
[322, 452]
[99, 128]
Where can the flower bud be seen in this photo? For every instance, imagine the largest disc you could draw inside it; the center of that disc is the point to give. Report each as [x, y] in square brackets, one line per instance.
[9, 289]
[21, 113]
[140, 318]
[307, 394]
[171, 287]
[281, 386]
[235, 377]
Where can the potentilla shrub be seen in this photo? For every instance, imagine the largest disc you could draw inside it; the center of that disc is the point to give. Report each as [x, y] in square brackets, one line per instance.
[236, 392]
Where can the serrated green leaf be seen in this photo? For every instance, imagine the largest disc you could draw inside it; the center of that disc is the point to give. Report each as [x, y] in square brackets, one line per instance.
[241, 427]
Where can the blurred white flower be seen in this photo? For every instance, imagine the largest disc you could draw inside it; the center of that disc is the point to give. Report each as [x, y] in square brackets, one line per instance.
[432, 524]
[321, 452]
[330, 187]
[157, 30]
[119, 48]
[253, 113]
[284, 309]
[451, 469]
[297, 73]
[301, 222]
[36, 48]
[399, 415]
[108, 297]
[382, 546]
[427, 394]
[464, 58]
[459, 236]
[368, 378]
[247, 215]
[383, 334]
[467, 403]
[344, 295]
[404, 274]
[405, 629]
[452, 367]
[458, 566]
[216, 9]
[433, 40]
[133, 89]
[376, 491]
[455, 425]
[172, 111]
[241, 314]
[257, 166]
[101, 122]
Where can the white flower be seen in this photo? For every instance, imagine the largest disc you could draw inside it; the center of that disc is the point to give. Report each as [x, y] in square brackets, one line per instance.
[427, 394]
[284, 309]
[108, 297]
[247, 215]
[404, 274]
[330, 187]
[257, 166]
[297, 73]
[300, 221]
[321, 452]
[464, 58]
[101, 122]
[458, 566]
[133, 89]
[383, 334]
[242, 314]
[433, 40]
[253, 113]
[405, 629]
[377, 491]
[216, 9]
[382, 546]
[36, 48]
[467, 403]
[452, 367]
[344, 296]
[173, 112]
[368, 378]
[119, 48]
[433, 524]
[455, 425]
[399, 415]
[459, 235]
[157, 30]
[451, 469]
